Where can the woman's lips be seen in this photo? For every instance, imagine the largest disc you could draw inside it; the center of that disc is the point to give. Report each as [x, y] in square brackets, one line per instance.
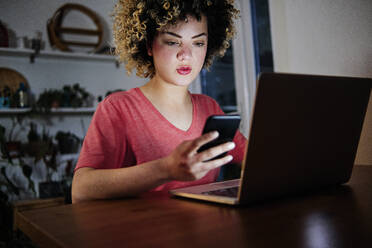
[184, 70]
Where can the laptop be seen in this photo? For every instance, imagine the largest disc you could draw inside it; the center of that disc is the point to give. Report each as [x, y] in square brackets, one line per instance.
[304, 137]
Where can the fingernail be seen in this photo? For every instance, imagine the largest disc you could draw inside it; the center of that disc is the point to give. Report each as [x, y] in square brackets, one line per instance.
[231, 145]
[215, 134]
[229, 157]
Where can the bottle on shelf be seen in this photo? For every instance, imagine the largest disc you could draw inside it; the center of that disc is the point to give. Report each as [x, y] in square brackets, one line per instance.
[5, 97]
[22, 96]
[1, 99]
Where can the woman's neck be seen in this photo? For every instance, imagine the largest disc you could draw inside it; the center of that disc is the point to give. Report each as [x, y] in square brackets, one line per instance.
[166, 93]
[172, 101]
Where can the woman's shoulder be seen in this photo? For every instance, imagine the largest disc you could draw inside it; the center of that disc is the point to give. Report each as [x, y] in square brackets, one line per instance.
[203, 99]
[206, 104]
[122, 95]
[121, 100]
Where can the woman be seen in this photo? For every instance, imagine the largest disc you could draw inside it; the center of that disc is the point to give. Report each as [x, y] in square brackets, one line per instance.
[147, 138]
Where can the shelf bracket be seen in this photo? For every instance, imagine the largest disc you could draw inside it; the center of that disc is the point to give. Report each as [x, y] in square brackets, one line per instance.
[36, 45]
[32, 57]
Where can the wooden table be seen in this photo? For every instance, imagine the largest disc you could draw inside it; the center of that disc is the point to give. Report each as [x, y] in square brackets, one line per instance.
[338, 217]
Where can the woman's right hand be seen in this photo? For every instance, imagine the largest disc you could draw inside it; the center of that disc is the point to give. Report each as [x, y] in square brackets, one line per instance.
[186, 164]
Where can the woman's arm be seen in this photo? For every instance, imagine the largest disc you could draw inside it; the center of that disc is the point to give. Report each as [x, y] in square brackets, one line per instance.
[89, 183]
[183, 164]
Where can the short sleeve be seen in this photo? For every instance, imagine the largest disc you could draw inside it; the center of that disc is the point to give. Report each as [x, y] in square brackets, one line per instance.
[240, 146]
[105, 143]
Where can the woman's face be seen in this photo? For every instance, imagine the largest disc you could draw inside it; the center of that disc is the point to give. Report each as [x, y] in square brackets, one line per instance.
[179, 51]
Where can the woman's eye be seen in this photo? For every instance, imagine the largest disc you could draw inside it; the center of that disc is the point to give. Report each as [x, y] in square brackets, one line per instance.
[171, 43]
[199, 44]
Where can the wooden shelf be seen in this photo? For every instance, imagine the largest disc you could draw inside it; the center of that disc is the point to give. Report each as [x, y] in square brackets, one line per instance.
[12, 111]
[15, 52]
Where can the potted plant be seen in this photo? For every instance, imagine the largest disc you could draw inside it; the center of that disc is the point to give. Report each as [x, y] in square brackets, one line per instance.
[67, 181]
[11, 157]
[43, 148]
[11, 147]
[69, 96]
[75, 96]
[67, 142]
[51, 98]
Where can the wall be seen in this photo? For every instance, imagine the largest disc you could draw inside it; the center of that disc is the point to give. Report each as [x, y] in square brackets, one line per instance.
[24, 18]
[332, 37]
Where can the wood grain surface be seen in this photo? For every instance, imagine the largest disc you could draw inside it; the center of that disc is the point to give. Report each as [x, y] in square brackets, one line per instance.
[336, 217]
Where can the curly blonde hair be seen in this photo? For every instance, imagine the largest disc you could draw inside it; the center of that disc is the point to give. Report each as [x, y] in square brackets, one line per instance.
[136, 23]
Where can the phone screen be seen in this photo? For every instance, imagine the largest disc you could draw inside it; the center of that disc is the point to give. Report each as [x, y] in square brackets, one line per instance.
[226, 125]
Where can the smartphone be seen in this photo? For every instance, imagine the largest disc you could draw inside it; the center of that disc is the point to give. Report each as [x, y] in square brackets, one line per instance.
[226, 125]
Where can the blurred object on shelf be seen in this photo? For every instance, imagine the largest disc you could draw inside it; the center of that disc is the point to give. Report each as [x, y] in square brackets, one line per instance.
[10, 83]
[22, 42]
[70, 96]
[108, 50]
[5, 96]
[11, 78]
[75, 96]
[36, 44]
[68, 142]
[56, 32]
[4, 38]
[8, 37]
[22, 96]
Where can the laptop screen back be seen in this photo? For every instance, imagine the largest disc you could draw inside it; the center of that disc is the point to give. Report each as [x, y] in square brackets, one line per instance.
[304, 134]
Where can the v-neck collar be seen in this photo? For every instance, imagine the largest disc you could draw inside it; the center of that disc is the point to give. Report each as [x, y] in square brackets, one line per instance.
[165, 120]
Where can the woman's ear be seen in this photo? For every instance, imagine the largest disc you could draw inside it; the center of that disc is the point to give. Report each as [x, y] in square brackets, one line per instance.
[149, 49]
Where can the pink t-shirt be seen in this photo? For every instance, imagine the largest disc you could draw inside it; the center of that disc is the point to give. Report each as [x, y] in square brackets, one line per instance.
[127, 130]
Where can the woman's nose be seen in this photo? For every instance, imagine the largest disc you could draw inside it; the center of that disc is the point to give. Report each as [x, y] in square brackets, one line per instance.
[185, 53]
